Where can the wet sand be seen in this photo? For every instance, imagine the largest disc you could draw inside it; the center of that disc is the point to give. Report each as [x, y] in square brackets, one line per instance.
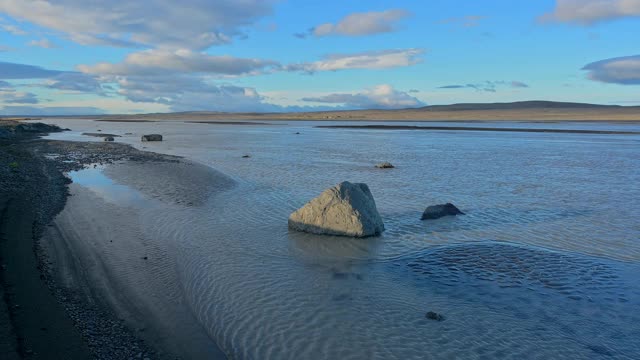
[100, 135]
[124, 120]
[229, 122]
[99, 247]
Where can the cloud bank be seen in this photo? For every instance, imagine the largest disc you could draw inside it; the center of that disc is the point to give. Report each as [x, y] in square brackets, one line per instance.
[379, 97]
[487, 86]
[621, 70]
[192, 24]
[9, 95]
[22, 71]
[159, 62]
[50, 110]
[588, 12]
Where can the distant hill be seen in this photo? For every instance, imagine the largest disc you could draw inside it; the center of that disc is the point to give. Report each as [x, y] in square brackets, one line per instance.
[519, 105]
[512, 111]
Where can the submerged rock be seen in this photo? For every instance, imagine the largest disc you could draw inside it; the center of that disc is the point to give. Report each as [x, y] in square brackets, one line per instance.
[345, 210]
[438, 211]
[385, 165]
[152, 137]
[434, 316]
[109, 138]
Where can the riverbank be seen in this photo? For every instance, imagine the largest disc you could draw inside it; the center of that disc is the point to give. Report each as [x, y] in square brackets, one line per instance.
[45, 318]
[550, 201]
[32, 191]
[470, 128]
[525, 111]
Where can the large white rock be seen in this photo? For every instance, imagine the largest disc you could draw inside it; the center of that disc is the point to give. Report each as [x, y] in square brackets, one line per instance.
[346, 210]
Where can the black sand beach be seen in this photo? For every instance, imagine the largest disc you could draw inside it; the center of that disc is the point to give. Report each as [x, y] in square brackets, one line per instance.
[36, 325]
[39, 318]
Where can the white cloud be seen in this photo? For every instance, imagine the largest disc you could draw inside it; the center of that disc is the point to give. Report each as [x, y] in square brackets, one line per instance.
[367, 60]
[379, 97]
[587, 12]
[43, 43]
[150, 62]
[194, 24]
[159, 62]
[621, 70]
[190, 93]
[12, 29]
[360, 24]
[184, 80]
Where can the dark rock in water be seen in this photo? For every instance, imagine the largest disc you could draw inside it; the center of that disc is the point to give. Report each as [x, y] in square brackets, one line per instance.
[246, 156]
[109, 138]
[385, 165]
[438, 211]
[434, 316]
[36, 128]
[152, 137]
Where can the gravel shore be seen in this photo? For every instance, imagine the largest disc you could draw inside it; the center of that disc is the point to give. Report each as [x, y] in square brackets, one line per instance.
[43, 320]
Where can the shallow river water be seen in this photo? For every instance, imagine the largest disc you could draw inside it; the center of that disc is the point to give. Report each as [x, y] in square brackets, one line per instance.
[545, 263]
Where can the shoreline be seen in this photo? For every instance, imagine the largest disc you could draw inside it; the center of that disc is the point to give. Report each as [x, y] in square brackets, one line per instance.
[45, 317]
[32, 193]
[469, 128]
[522, 111]
[233, 119]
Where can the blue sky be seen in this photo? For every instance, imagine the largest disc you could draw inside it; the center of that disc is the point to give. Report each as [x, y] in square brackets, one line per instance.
[118, 56]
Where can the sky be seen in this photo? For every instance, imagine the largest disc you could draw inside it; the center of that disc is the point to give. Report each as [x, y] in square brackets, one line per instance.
[61, 57]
